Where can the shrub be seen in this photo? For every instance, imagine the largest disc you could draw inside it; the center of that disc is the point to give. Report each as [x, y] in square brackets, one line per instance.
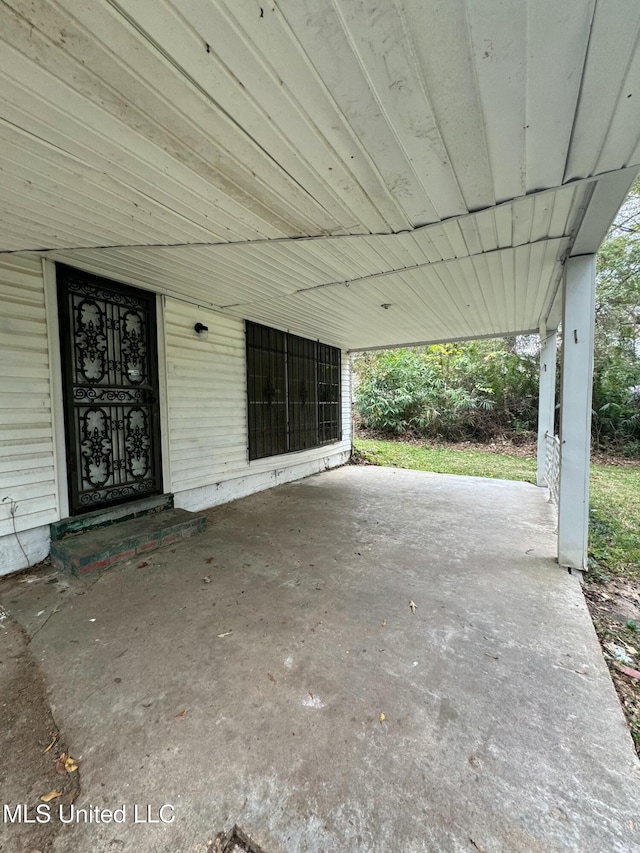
[454, 391]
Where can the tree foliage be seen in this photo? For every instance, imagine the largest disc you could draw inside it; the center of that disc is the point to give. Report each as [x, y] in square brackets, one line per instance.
[452, 391]
[616, 382]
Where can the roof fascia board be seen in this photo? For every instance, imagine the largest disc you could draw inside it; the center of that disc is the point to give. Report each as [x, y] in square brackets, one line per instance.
[608, 196]
[509, 334]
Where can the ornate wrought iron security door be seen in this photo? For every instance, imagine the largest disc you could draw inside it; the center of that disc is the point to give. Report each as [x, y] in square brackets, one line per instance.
[109, 365]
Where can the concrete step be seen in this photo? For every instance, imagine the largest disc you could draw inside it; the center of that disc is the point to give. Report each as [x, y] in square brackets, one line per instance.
[112, 515]
[107, 546]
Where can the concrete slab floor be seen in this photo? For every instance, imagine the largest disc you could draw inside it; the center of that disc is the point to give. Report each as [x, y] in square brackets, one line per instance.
[241, 678]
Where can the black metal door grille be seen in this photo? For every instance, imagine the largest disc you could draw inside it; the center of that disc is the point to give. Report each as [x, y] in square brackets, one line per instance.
[109, 361]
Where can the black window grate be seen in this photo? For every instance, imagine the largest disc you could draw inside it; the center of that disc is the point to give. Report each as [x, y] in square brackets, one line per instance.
[293, 391]
[329, 368]
[302, 393]
[266, 388]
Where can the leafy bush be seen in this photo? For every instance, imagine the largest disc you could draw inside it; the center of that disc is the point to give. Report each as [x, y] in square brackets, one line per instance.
[454, 391]
[616, 380]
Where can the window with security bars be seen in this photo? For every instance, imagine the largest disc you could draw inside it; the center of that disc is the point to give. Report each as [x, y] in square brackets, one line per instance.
[328, 393]
[293, 391]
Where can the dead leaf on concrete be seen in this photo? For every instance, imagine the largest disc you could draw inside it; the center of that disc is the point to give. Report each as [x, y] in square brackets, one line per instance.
[182, 713]
[209, 560]
[270, 677]
[382, 718]
[143, 564]
[413, 606]
[52, 795]
[383, 623]
[60, 769]
[70, 765]
[53, 742]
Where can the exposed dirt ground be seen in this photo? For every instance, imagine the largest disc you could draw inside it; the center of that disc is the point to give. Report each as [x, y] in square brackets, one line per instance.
[614, 605]
[33, 751]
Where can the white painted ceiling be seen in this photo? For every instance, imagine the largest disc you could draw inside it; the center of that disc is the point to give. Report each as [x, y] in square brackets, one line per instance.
[258, 157]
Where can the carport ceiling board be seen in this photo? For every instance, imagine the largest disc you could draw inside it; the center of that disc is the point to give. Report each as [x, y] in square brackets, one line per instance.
[488, 273]
[337, 294]
[142, 124]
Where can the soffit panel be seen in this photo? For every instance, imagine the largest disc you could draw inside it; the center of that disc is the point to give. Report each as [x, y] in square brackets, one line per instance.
[214, 121]
[488, 293]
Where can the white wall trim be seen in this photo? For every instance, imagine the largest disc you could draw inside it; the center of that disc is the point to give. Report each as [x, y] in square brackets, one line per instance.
[163, 394]
[205, 497]
[55, 380]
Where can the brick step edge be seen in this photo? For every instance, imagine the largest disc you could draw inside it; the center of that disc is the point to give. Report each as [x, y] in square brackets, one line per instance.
[78, 524]
[124, 549]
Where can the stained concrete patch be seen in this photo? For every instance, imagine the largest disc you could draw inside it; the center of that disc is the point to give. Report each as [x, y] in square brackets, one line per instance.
[255, 698]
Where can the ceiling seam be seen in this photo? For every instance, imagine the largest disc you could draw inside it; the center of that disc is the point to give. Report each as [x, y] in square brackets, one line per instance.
[591, 179]
[398, 271]
[579, 96]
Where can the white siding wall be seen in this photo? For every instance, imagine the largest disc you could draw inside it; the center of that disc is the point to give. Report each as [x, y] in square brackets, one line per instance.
[207, 408]
[206, 416]
[27, 456]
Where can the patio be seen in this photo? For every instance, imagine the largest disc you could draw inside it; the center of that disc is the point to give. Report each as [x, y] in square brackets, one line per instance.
[242, 677]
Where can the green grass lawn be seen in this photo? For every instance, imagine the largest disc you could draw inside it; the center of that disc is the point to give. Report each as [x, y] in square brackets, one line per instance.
[615, 493]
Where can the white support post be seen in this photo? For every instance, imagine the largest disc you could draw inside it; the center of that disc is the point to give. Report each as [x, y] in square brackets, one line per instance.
[546, 398]
[578, 314]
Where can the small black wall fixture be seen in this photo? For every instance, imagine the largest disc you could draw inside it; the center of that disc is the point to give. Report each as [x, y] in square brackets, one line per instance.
[202, 331]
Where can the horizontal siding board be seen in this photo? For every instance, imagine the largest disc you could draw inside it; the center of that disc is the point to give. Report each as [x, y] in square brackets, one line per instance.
[25, 415]
[27, 473]
[31, 476]
[22, 401]
[15, 462]
[26, 433]
[31, 513]
[13, 386]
